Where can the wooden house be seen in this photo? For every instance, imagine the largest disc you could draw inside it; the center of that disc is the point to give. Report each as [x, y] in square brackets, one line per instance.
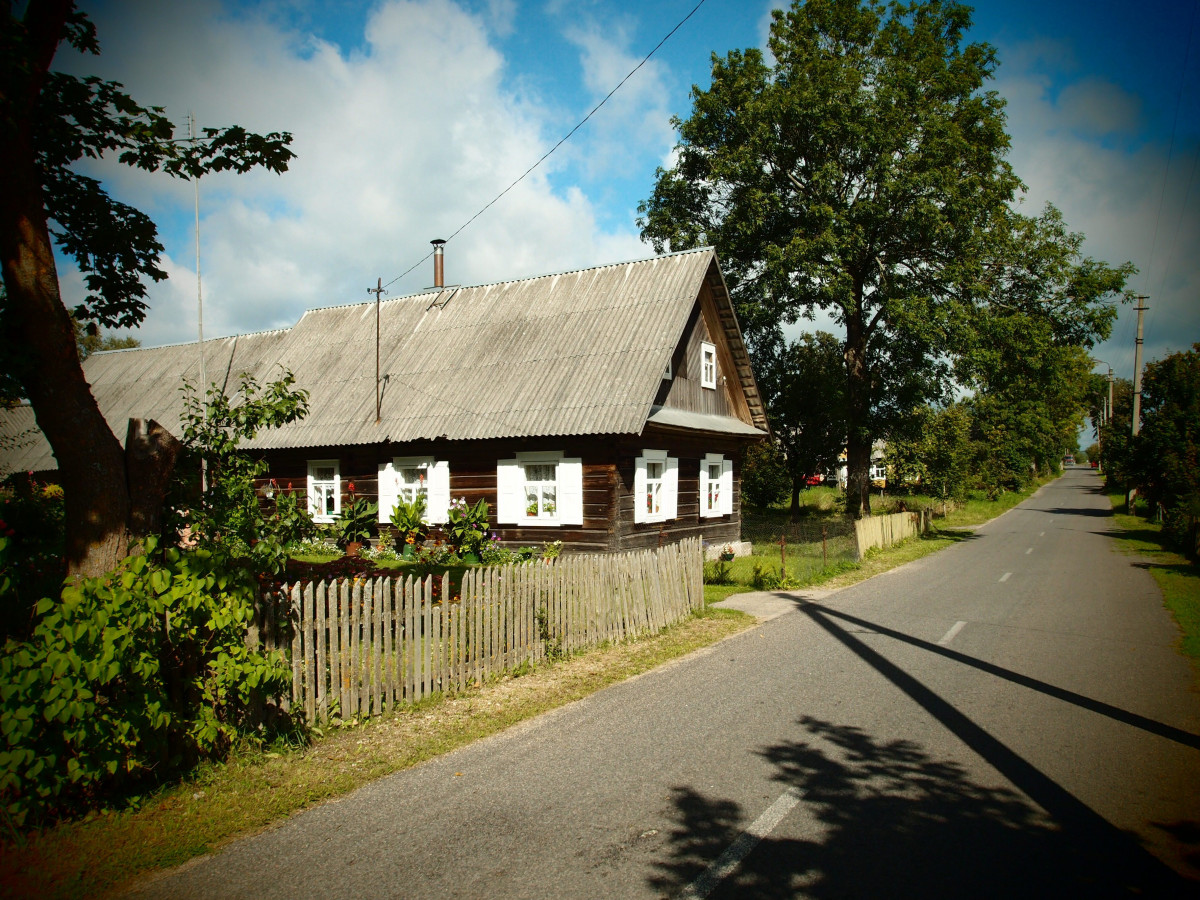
[605, 407]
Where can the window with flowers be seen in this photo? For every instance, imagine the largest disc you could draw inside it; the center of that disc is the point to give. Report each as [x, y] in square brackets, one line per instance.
[655, 486]
[408, 477]
[324, 490]
[716, 486]
[539, 488]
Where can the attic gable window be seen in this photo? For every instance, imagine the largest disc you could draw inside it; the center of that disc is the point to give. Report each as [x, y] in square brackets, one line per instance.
[669, 371]
[324, 490]
[708, 365]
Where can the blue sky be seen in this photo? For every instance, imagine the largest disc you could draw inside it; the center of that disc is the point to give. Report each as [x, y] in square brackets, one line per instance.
[410, 115]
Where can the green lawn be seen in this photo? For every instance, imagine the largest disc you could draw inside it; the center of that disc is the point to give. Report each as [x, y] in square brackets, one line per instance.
[1177, 577]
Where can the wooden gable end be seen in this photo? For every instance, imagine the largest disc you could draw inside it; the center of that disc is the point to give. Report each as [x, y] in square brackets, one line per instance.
[685, 389]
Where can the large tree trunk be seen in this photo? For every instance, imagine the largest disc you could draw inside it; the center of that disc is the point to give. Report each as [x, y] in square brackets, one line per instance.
[858, 408]
[91, 461]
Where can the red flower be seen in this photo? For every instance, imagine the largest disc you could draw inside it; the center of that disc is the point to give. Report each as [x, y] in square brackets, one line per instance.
[350, 487]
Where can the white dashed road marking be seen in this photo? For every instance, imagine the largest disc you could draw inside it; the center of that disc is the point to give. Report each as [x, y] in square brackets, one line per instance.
[1005, 577]
[949, 635]
[740, 849]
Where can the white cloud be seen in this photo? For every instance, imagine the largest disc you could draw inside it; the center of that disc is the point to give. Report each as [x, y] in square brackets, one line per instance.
[397, 143]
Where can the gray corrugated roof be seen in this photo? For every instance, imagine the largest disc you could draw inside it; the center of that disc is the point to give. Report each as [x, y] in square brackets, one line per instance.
[567, 354]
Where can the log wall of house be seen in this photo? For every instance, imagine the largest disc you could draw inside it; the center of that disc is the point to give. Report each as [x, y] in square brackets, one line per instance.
[608, 471]
[689, 450]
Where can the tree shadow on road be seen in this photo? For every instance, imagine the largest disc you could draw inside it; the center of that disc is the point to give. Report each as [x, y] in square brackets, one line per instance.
[887, 819]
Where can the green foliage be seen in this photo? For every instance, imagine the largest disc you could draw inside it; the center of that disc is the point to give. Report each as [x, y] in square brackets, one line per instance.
[89, 340]
[409, 520]
[934, 450]
[1167, 450]
[764, 475]
[31, 550]
[467, 528]
[356, 521]
[227, 513]
[804, 387]
[129, 677]
[75, 118]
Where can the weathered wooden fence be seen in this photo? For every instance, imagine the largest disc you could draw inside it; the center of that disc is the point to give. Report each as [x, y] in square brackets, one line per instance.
[883, 531]
[359, 647]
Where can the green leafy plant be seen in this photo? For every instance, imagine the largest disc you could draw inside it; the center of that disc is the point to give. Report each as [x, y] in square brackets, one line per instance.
[130, 677]
[467, 529]
[224, 509]
[31, 550]
[356, 521]
[408, 518]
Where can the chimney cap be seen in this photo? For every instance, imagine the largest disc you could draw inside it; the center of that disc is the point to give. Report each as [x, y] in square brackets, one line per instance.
[437, 242]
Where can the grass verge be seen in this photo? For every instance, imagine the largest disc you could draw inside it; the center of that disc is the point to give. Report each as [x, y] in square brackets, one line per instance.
[841, 574]
[100, 856]
[1177, 577]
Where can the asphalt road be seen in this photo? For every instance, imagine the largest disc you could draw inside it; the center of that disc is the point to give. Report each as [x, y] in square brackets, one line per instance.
[1008, 717]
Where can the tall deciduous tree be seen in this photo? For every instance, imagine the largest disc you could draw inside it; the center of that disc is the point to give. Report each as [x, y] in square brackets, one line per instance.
[861, 173]
[804, 387]
[48, 122]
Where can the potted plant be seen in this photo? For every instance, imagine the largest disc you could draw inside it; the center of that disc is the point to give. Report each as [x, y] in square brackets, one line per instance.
[727, 553]
[411, 530]
[354, 524]
[467, 528]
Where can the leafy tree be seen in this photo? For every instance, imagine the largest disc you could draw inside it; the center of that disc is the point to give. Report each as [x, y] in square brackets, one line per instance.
[804, 389]
[1167, 450]
[1041, 305]
[861, 173]
[1116, 439]
[935, 449]
[764, 475]
[49, 122]
[89, 339]
[222, 511]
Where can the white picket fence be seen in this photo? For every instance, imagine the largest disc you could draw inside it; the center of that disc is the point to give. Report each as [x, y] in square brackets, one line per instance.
[359, 647]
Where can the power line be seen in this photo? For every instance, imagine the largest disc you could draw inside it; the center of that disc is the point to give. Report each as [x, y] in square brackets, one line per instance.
[562, 141]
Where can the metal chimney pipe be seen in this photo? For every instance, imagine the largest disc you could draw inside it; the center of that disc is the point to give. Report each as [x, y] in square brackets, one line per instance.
[439, 272]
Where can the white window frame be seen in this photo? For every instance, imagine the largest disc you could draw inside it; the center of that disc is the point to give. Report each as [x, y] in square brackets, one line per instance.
[511, 485]
[878, 472]
[315, 508]
[669, 371]
[437, 487]
[669, 480]
[708, 365]
[721, 491]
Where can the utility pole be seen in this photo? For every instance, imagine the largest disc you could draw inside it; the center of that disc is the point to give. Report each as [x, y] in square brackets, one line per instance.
[378, 291]
[1137, 365]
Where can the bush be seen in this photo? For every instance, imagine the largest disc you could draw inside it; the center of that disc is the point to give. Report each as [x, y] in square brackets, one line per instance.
[765, 479]
[31, 551]
[130, 677]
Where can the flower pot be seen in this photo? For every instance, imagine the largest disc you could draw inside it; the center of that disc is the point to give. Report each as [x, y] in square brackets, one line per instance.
[408, 551]
[726, 557]
[471, 559]
[353, 548]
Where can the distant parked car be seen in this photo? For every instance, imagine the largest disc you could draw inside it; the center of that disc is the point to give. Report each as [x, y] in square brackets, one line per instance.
[813, 480]
[1068, 461]
[1095, 464]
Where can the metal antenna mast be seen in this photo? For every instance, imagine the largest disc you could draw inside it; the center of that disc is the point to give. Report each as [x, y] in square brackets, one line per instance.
[378, 291]
[199, 308]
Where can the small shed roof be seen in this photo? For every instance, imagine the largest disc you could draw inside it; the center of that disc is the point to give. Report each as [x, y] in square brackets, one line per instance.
[572, 353]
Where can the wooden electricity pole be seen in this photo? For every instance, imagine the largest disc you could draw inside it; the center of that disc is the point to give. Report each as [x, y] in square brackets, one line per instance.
[378, 291]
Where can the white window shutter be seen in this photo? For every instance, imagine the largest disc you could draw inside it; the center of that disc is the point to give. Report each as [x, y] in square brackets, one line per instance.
[387, 492]
[438, 509]
[704, 513]
[570, 492]
[639, 489]
[671, 488]
[727, 487]
[509, 481]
